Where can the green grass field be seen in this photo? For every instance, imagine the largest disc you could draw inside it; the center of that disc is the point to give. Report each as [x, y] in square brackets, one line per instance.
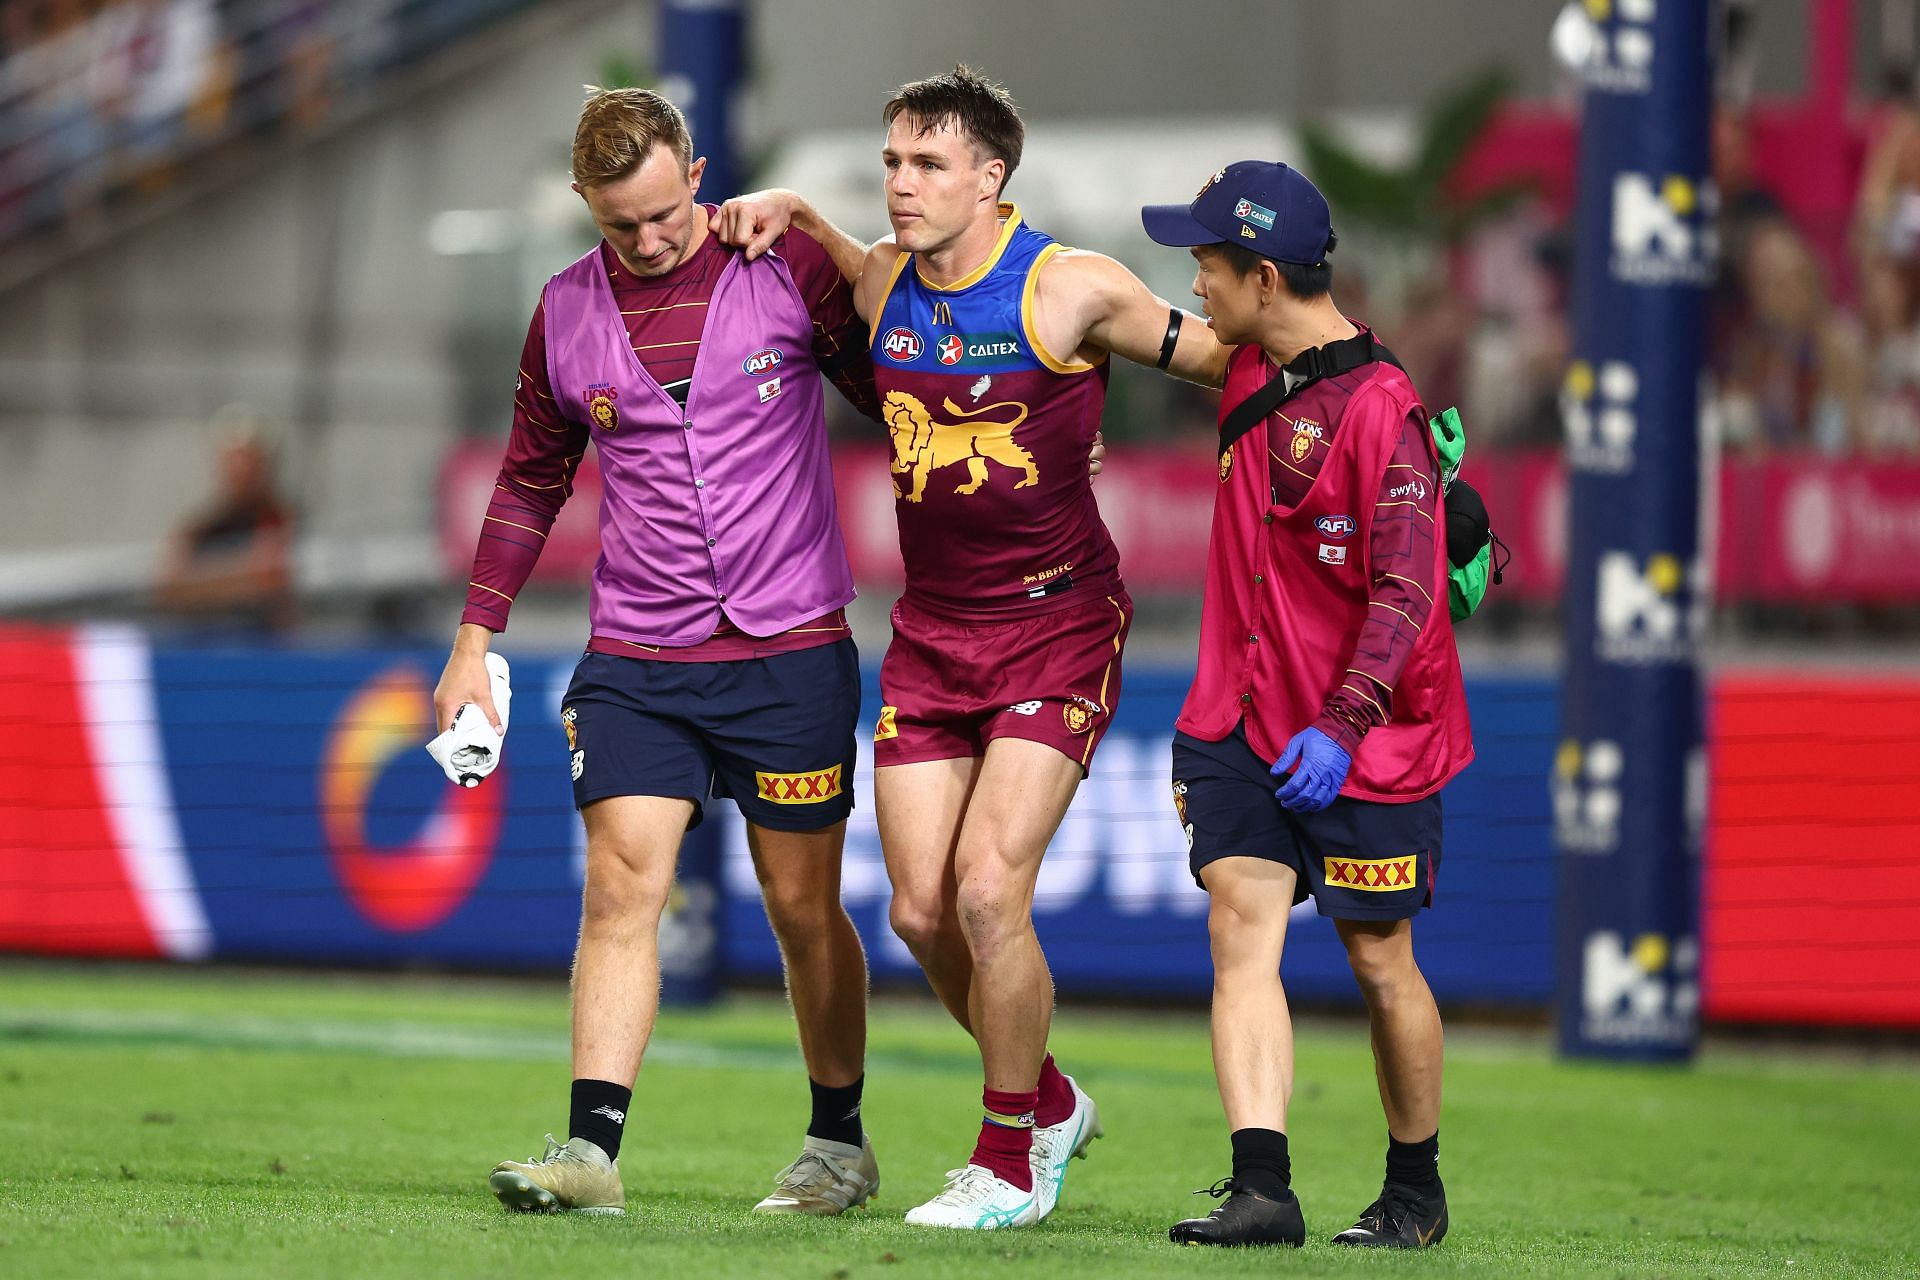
[156, 1122]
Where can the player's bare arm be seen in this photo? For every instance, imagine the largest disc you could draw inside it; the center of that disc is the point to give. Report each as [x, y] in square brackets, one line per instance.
[754, 221]
[1087, 303]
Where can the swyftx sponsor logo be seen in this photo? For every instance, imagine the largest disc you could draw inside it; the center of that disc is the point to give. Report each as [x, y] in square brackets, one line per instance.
[1644, 993]
[1646, 612]
[1598, 406]
[1586, 795]
[1663, 229]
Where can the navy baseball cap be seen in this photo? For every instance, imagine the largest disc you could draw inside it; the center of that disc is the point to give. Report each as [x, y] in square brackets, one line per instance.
[1268, 208]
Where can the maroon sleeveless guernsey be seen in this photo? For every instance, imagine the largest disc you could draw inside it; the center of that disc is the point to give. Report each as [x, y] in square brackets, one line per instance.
[989, 439]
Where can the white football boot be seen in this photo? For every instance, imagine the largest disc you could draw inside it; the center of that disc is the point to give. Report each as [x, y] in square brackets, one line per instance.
[976, 1199]
[1057, 1146]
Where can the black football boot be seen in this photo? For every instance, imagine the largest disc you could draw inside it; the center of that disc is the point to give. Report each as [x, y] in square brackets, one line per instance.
[1401, 1218]
[1244, 1217]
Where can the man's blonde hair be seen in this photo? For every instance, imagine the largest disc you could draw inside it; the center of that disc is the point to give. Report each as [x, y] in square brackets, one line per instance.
[619, 129]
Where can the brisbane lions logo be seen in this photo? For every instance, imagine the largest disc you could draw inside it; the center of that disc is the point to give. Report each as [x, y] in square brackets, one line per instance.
[922, 446]
[600, 411]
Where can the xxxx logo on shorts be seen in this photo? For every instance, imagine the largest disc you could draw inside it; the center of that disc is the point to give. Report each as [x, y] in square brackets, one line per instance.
[1375, 875]
[884, 728]
[798, 788]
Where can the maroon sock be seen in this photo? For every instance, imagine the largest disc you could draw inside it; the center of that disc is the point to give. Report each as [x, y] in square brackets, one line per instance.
[1056, 1096]
[1005, 1148]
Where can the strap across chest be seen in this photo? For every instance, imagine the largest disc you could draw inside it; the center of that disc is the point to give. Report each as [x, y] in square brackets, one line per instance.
[1305, 369]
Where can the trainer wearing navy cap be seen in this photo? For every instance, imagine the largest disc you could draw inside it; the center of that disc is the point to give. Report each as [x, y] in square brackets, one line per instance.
[1269, 208]
[1324, 669]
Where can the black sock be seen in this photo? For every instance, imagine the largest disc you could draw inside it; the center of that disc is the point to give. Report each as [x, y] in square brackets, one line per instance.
[836, 1112]
[1415, 1165]
[599, 1114]
[1260, 1162]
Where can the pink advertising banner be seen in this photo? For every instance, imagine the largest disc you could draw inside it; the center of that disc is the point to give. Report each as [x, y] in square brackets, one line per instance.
[1789, 528]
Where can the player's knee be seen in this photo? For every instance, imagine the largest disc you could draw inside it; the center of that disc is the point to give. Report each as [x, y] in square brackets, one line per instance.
[623, 890]
[1239, 936]
[921, 923]
[799, 913]
[1383, 970]
[991, 908]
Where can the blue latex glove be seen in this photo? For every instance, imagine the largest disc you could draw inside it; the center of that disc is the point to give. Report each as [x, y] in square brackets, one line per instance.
[1323, 766]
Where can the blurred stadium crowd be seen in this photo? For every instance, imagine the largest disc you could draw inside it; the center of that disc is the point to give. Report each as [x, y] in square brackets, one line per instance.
[102, 98]
[1814, 330]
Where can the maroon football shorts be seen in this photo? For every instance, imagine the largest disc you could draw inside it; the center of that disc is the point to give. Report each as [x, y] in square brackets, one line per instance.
[950, 687]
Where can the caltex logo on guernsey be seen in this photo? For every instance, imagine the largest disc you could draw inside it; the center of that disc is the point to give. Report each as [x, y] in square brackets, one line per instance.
[950, 349]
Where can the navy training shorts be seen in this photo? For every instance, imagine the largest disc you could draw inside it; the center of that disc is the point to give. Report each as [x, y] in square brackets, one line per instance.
[1360, 859]
[775, 734]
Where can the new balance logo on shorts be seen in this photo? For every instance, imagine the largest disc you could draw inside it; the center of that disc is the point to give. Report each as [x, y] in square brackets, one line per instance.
[798, 788]
[1376, 875]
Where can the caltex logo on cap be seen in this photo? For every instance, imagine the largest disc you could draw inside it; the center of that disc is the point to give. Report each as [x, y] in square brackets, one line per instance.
[1259, 215]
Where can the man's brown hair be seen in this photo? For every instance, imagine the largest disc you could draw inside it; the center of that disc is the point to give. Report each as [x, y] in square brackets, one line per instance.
[619, 129]
[970, 104]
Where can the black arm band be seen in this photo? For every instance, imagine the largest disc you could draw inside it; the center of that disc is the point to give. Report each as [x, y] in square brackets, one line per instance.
[1172, 340]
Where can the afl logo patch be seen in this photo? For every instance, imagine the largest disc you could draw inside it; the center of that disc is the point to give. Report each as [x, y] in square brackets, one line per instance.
[761, 361]
[950, 349]
[1302, 446]
[902, 344]
[1335, 526]
[1226, 464]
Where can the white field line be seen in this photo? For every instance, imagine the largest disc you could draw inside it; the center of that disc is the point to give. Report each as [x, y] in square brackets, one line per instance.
[384, 1039]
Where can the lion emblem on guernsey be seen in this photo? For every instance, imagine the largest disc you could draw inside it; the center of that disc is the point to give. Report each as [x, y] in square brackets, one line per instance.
[601, 410]
[922, 446]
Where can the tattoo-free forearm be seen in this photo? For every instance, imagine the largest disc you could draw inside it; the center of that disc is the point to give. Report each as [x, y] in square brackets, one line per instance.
[848, 254]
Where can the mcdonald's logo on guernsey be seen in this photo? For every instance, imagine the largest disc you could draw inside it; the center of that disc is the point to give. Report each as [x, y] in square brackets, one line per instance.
[799, 788]
[1373, 875]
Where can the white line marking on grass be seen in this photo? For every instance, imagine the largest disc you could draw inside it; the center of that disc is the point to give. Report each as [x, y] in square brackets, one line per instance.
[385, 1039]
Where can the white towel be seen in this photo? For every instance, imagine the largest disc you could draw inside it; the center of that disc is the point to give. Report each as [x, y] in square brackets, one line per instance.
[470, 750]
